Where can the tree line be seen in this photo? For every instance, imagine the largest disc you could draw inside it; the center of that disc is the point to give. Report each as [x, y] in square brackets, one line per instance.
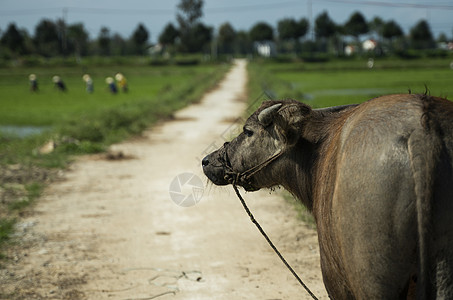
[190, 35]
[60, 39]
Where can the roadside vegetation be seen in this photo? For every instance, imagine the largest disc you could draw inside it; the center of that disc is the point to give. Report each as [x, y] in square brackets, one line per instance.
[76, 122]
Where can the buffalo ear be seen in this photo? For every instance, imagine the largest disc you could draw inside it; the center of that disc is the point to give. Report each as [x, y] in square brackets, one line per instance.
[290, 120]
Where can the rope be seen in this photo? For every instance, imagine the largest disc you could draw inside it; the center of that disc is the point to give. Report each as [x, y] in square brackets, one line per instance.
[253, 170]
[254, 221]
[243, 177]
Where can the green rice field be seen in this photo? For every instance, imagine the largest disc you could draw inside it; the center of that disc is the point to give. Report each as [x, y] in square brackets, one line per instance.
[345, 82]
[49, 106]
[92, 120]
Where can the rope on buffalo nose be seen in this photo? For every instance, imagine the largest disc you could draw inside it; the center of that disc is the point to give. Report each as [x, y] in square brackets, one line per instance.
[254, 221]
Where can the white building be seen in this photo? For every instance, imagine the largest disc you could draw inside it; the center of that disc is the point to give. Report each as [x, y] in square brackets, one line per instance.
[265, 48]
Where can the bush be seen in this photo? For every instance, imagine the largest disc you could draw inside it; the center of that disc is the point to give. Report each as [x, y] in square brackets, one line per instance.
[32, 61]
[187, 62]
[84, 129]
[6, 227]
[159, 62]
[315, 57]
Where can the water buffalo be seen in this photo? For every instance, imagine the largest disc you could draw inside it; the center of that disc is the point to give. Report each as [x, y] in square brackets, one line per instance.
[378, 179]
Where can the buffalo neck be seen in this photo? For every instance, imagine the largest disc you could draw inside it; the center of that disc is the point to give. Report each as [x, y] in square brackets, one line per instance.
[296, 173]
[308, 162]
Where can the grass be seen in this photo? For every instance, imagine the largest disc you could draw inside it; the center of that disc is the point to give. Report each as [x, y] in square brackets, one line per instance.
[15, 198]
[97, 119]
[79, 122]
[5, 228]
[345, 82]
[49, 106]
[33, 191]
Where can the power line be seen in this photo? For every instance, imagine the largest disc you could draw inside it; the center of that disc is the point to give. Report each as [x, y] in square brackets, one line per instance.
[118, 11]
[251, 7]
[86, 10]
[216, 10]
[113, 11]
[393, 4]
[21, 12]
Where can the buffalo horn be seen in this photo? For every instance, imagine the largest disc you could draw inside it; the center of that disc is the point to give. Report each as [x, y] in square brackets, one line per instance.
[266, 115]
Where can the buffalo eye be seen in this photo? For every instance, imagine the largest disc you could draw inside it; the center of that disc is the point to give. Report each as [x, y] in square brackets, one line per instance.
[248, 132]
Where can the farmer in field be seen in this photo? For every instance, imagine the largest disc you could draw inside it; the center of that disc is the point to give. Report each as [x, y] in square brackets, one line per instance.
[89, 83]
[33, 83]
[122, 82]
[59, 84]
[111, 85]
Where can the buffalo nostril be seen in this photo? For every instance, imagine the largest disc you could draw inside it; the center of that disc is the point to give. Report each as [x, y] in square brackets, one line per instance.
[205, 162]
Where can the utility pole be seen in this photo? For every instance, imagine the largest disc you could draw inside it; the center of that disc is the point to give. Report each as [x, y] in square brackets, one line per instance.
[63, 31]
[310, 18]
[214, 47]
[65, 14]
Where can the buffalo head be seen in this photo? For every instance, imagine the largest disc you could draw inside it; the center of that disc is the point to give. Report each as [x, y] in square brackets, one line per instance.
[255, 158]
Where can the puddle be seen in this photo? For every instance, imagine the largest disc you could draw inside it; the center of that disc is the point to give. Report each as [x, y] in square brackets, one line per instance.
[23, 131]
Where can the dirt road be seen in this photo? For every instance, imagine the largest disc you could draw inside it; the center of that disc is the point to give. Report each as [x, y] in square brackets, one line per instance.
[109, 229]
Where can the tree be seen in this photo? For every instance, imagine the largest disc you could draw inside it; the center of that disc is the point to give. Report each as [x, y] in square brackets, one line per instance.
[261, 31]
[226, 38]
[291, 31]
[77, 39]
[190, 12]
[356, 26]
[391, 30]
[29, 45]
[188, 16]
[287, 29]
[104, 41]
[47, 39]
[325, 30]
[13, 39]
[421, 36]
[202, 36]
[324, 27]
[376, 26]
[62, 36]
[302, 28]
[168, 35]
[243, 43]
[140, 39]
[442, 38]
[118, 45]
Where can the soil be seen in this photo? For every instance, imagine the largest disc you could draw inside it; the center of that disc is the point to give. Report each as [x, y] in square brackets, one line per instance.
[110, 230]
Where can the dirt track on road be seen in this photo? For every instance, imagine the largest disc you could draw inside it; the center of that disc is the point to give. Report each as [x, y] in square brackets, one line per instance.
[109, 229]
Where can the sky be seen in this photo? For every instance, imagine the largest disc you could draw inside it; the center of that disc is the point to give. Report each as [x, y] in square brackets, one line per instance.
[123, 16]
